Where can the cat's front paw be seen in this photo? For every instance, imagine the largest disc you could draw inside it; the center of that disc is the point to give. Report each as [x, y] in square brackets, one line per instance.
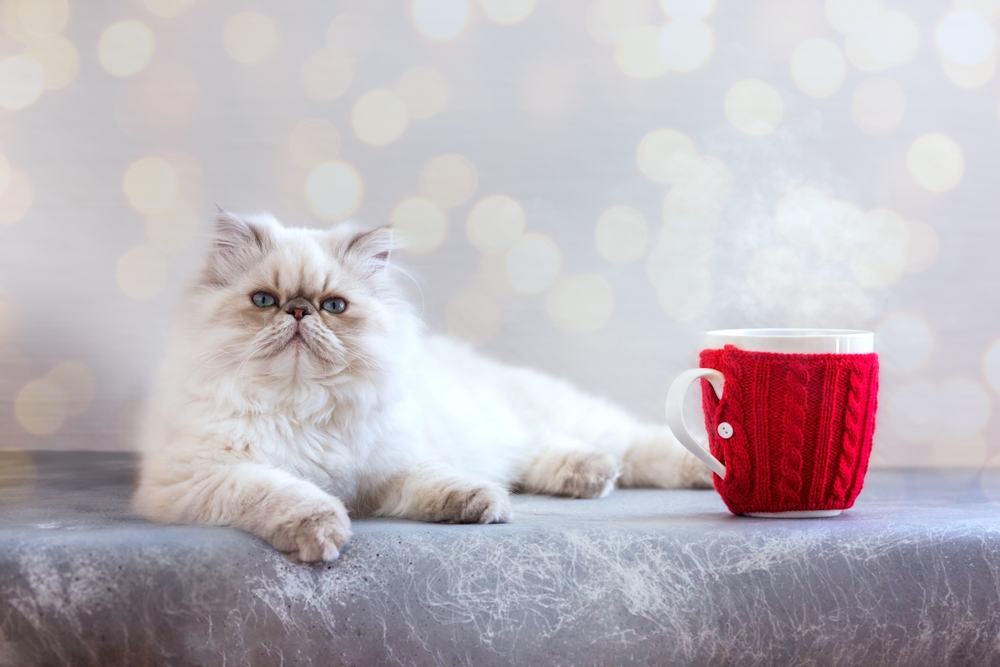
[315, 534]
[478, 504]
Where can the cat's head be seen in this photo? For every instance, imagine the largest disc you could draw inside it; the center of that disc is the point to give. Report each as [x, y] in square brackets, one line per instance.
[292, 302]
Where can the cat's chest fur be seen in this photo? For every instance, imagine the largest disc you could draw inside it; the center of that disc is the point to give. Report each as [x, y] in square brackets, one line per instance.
[327, 432]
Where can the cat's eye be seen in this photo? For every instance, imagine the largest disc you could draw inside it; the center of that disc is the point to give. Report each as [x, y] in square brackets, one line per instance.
[336, 305]
[262, 299]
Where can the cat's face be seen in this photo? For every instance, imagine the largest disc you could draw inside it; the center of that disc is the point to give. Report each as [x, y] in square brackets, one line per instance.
[296, 301]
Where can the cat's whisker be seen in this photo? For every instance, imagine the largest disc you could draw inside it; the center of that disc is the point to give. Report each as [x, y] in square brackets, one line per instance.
[416, 283]
[256, 347]
[370, 362]
[211, 355]
[205, 358]
[207, 363]
[217, 350]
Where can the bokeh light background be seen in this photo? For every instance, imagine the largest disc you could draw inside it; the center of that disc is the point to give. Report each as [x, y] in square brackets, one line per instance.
[583, 186]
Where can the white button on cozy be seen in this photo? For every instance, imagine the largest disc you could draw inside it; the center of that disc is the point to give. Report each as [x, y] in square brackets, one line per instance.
[725, 430]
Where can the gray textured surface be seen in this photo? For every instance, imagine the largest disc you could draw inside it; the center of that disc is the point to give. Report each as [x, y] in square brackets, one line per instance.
[910, 576]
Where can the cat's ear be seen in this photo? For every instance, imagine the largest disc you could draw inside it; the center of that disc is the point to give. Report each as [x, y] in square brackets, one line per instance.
[236, 245]
[371, 250]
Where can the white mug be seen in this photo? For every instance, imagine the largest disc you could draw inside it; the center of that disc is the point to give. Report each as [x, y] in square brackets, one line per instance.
[788, 341]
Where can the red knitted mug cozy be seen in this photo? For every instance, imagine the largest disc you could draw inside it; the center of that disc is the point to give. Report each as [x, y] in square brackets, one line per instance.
[802, 427]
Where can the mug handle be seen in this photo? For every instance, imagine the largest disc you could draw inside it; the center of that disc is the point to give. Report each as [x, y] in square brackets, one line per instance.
[675, 414]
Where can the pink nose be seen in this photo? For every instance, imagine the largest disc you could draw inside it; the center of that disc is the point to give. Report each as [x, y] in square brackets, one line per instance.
[298, 308]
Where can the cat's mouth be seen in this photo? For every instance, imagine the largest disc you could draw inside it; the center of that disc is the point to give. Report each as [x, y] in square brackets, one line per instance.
[297, 339]
[301, 340]
[289, 338]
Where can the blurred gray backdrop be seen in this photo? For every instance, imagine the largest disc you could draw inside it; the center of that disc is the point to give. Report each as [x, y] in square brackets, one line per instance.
[583, 186]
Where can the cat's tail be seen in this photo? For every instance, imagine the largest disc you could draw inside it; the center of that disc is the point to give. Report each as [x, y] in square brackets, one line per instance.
[656, 459]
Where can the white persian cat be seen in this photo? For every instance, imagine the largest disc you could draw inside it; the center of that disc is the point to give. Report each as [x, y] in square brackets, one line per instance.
[299, 387]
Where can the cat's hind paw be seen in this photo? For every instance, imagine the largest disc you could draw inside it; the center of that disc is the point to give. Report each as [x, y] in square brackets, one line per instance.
[314, 535]
[572, 473]
[700, 476]
[661, 462]
[693, 474]
[586, 475]
[480, 504]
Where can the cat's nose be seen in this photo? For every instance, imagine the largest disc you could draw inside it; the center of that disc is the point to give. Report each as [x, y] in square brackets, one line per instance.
[298, 309]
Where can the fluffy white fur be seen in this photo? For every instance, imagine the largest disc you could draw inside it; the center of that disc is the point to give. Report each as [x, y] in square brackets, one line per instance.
[284, 427]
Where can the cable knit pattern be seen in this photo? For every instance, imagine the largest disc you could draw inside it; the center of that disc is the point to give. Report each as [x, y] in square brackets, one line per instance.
[854, 429]
[792, 441]
[867, 438]
[803, 422]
